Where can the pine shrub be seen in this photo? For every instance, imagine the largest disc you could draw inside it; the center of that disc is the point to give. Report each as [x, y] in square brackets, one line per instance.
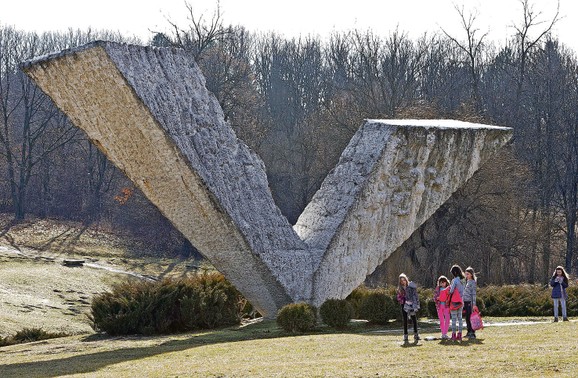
[168, 306]
[297, 317]
[522, 300]
[215, 303]
[430, 306]
[336, 313]
[503, 301]
[377, 307]
[572, 302]
[355, 299]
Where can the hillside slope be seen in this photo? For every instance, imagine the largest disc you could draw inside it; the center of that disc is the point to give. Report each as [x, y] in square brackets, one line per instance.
[37, 290]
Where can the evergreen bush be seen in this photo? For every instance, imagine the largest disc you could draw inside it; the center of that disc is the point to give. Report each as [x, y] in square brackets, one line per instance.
[377, 307]
[336, 313]
[297, 317]
[431, 310]
[168, 306]
[503, 301]
[215, 303]
[355, 299]
[522, 300]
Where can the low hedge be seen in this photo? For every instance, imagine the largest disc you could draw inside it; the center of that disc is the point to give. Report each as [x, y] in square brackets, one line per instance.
[507, 300]
[522, 300]
[514, 300]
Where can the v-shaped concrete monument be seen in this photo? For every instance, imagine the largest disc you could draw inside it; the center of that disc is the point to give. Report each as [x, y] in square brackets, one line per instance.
[148, 110]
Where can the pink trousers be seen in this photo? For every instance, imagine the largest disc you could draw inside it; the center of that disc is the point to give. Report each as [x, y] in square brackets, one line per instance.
[444, 316]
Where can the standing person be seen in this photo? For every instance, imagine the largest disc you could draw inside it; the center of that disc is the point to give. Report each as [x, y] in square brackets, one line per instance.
[442, 298]
[409, 301]
[470, 299]
[456, 301]
[559, 283]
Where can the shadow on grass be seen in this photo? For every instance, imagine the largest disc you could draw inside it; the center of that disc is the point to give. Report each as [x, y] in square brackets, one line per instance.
[93, 362]
[463, 343]
[411, 344]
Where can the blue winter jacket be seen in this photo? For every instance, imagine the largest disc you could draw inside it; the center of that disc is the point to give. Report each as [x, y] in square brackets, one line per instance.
[557, 288]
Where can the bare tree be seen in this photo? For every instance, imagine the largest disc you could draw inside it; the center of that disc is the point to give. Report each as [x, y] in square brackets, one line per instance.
[32, 128]
[200, 34]
[290, 77]
[527, 40]
[473, 49]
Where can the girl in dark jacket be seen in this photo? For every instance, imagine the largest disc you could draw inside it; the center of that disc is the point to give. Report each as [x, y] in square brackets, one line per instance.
[559, 283]
[409, 301]
[470, 299]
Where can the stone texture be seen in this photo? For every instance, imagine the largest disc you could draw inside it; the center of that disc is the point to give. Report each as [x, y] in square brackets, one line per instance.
[148, 110]
[390, 179]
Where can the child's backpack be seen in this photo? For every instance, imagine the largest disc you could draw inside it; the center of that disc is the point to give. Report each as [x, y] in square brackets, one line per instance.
[444, 295]
[476, 319]
[456, 301]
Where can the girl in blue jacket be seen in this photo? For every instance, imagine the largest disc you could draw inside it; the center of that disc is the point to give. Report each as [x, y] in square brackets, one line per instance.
[559, 283]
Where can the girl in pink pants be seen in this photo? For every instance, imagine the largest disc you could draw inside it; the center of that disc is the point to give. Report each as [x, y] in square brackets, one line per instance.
[441, 298]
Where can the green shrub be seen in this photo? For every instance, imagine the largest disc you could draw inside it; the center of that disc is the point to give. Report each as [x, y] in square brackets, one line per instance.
[431, 309]
[336, 313]
[355, 299]
[168, 306]
[514, 300]
[504, 301]
[377, 307]
[522, 300]
[297, 317]
[572, 302]
[216, 303]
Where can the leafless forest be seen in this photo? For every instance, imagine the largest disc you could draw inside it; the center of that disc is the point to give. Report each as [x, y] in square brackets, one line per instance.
[298, 101]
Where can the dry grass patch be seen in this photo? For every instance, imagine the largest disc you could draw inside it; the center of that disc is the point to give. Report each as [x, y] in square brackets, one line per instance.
[47, 295]
[36, 291]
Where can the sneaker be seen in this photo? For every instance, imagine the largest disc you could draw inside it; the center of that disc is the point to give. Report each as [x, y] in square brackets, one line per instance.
[445, 337]
[459, 337]
[416, 336]
[454, 336]
[555, 320]
[405, 337]
[472, 336]
[565, 319]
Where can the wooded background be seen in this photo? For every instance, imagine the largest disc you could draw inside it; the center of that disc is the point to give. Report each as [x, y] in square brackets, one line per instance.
[298, 101]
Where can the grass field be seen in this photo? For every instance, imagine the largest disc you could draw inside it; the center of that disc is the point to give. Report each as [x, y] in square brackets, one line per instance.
[539, 349]
[36, 291]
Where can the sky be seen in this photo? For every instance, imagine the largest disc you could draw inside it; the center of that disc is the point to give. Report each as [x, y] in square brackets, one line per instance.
[290, 18]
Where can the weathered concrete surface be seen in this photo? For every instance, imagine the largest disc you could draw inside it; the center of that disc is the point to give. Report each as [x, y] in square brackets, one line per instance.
[391, 178]
[148, 110]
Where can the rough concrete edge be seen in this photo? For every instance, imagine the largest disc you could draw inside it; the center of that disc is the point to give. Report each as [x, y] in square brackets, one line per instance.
[504, 136]
[39, 63]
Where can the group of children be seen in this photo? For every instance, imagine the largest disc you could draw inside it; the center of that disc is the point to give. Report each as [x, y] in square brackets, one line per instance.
[451, 299]
[457, 297]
